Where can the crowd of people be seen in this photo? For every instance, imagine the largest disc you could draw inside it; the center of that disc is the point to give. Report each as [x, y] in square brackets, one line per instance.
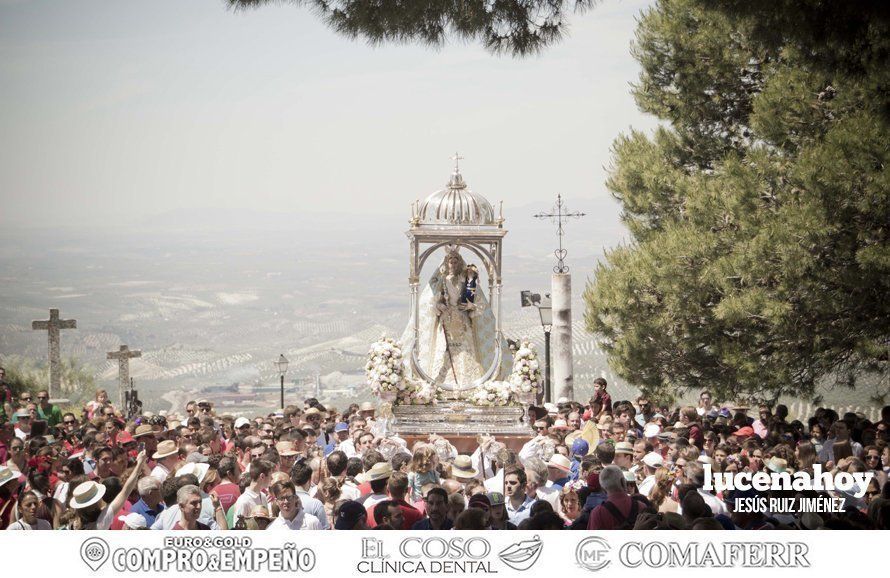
[596, 466]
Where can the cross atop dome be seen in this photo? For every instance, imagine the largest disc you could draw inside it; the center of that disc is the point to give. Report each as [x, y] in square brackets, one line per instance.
[457, 158]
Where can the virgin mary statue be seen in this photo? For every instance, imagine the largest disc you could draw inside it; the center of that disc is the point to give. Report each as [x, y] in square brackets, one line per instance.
[456, 327]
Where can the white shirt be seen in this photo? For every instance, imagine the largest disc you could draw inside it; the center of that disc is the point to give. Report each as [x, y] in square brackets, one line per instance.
[171, 516]
[495, 483]
[302, 521]
[314, 507]
[348, 448]
[160, 473]
[373, 500]
[61, 492]
[246, 503]
[517, 515]
[646, 486]
[531, 449]
[549, 494]
[349, 491]
[22, 525]
[713, 502]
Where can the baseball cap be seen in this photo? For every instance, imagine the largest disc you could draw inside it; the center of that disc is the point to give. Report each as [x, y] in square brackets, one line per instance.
[241, 422]
[342, 426]
[349, 514]
[580, 447]
[479, 501]
[496, 498]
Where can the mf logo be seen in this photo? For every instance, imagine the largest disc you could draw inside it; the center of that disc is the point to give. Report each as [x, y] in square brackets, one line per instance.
[593, 553]
[373, 548]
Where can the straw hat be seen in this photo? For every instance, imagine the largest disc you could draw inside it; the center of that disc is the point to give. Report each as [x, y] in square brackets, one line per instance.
[286, 448]
[6, 475]
[86, 494]
[165, 449]
[367, 406]
[624, 448]
[560, 462]
[776, 464]
[380, 471]
[570, 439]
[143, 430]
[260, 512]
[653, 460]
[462, 467]
[194, 468]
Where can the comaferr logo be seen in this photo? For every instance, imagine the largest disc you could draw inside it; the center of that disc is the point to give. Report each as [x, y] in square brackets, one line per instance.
[714, 555]
[593, 553]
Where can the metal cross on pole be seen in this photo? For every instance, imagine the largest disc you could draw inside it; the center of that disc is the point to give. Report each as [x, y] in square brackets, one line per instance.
[52, 326]
[457, 158]
[123, 356]
[559, 214]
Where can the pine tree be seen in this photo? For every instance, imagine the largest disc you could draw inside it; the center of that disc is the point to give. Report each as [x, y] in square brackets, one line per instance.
[759, 262]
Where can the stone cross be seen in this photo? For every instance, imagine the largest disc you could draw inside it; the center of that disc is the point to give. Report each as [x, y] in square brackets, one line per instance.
[559, 214]
[123, 356]
[52, 326]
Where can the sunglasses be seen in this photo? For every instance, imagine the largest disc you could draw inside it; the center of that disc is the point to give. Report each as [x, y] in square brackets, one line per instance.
[25, 398]
[42, 397]
[68, 421]
[870, 458]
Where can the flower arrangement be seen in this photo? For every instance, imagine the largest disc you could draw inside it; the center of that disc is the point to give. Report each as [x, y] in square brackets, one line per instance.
[418, 393]
[493, 394]
[384, 369]
[526, 375]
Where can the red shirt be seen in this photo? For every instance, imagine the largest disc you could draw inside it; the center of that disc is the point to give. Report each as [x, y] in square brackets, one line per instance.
[117, 524]
[410, 514]
[602, 519]
[228, 494]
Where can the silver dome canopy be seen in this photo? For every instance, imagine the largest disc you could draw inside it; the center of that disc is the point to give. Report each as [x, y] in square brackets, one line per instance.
[456, 205]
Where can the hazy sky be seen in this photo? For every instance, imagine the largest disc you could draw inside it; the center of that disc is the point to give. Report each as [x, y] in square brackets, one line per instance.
[118, 109]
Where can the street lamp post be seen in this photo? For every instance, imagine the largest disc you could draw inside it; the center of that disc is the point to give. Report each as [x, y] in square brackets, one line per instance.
[545, 309]
[282, 369]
